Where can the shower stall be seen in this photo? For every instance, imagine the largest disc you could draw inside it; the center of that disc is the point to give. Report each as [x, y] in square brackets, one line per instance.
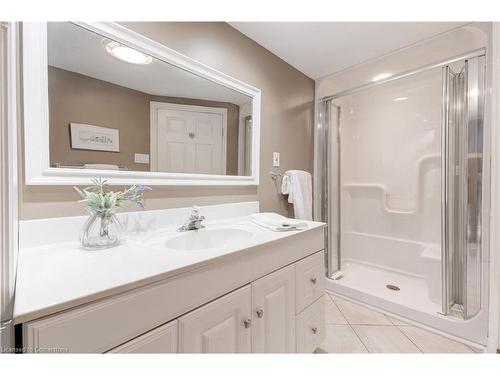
[402, 188]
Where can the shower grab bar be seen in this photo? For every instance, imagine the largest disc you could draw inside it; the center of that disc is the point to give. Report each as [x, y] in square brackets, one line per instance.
[417, 201]
[475, 53]
[385, 197]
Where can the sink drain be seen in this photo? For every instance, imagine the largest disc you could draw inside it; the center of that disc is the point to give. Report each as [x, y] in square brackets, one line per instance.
[393, 287]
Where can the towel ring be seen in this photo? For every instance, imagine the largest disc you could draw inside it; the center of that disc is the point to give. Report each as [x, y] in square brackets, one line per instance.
[275, 175]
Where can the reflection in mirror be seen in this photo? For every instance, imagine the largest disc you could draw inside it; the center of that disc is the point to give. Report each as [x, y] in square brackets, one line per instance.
[113, 107]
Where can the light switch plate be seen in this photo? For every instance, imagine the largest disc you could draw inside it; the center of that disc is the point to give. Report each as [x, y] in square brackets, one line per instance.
[276, 159]
[141, 158]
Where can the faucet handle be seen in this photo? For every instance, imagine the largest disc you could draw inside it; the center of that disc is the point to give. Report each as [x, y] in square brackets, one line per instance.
[195, 211]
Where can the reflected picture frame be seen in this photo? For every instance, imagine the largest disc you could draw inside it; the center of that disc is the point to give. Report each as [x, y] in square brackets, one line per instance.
[91, 137]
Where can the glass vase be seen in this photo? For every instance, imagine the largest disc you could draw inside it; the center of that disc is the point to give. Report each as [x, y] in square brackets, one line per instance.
[101, 231]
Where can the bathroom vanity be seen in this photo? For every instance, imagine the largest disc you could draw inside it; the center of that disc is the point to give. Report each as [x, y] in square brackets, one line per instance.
[231, 287]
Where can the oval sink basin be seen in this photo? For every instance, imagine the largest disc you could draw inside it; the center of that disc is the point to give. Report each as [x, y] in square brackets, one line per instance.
[208, 239]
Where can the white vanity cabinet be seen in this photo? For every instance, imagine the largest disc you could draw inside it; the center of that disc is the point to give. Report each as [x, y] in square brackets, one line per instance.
[260, 317]
[264, 300]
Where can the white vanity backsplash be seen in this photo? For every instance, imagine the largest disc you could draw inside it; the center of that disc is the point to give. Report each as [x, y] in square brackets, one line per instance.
[42, 232]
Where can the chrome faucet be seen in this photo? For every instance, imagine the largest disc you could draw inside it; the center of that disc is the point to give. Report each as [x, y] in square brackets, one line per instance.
[194, 222]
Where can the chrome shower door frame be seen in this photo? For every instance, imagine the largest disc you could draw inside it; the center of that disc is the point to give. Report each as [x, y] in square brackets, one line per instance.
[328, 181]
[462, 146]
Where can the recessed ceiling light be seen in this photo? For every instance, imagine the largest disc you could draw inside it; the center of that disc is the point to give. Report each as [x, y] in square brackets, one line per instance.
[127, 54]
[400, 99]
[380, 76]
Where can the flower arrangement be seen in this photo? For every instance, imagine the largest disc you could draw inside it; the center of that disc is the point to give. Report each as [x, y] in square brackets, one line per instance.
[102, 201]
[102, 204]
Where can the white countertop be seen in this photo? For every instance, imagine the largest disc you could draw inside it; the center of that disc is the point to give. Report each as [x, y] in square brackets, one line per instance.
[52, 278]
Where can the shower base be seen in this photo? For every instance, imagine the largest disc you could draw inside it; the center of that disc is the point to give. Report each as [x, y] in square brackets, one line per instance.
[369, 285]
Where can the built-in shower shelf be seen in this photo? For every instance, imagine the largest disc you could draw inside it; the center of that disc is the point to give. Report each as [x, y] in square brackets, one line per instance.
[386, 197]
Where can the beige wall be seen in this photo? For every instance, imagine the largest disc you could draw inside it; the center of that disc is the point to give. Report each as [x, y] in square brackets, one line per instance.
[78, 98]
[286, 120]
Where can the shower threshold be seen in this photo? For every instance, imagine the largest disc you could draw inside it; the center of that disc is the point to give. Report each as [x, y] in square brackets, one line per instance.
[369, 285]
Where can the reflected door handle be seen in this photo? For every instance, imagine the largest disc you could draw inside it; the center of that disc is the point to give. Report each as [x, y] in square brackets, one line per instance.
[314, 330]
[191, 135]
[247, 323]
[260, 313]
[313, 280]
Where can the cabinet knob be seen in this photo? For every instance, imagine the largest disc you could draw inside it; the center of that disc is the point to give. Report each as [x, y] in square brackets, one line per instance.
[314, 330]
[313, 280]
[260, 313]
[247, 323]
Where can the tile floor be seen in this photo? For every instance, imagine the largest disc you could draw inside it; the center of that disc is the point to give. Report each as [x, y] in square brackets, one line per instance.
[352, 328]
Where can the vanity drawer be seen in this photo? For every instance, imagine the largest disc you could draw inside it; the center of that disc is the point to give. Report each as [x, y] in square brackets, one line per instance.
[310, 327]
[160, 340]
[310, 280]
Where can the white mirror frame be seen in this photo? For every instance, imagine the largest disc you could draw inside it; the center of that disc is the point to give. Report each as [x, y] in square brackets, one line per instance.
[36, 113]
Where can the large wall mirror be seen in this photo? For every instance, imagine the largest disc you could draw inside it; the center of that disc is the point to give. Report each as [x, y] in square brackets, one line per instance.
[116, 104]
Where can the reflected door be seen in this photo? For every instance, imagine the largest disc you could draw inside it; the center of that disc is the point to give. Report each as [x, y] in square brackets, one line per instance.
[189, 141]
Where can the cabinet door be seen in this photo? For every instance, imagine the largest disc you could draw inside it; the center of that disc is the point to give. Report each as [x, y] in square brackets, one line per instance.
[159, 340]
[222, 326]
[273, 296]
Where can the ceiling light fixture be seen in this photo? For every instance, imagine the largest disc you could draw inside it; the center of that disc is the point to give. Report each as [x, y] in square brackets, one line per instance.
[127, 54]
[400, 99]
[380, 76]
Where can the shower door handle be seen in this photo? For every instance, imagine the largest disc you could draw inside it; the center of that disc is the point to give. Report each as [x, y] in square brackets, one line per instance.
[445, 126]
[461, 105]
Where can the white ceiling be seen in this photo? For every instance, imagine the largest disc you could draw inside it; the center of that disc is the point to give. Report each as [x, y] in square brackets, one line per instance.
[78, 50]
[321, 48]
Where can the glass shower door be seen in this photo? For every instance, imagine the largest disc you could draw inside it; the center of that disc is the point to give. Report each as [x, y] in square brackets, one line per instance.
[404, 167]
[389, 176]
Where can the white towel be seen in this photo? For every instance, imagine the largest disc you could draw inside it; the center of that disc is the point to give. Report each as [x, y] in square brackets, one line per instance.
[298, 186]
[276, 222]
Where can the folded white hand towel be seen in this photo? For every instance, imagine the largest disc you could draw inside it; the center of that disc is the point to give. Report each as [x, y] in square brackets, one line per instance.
[298, 185]
[277, 223]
